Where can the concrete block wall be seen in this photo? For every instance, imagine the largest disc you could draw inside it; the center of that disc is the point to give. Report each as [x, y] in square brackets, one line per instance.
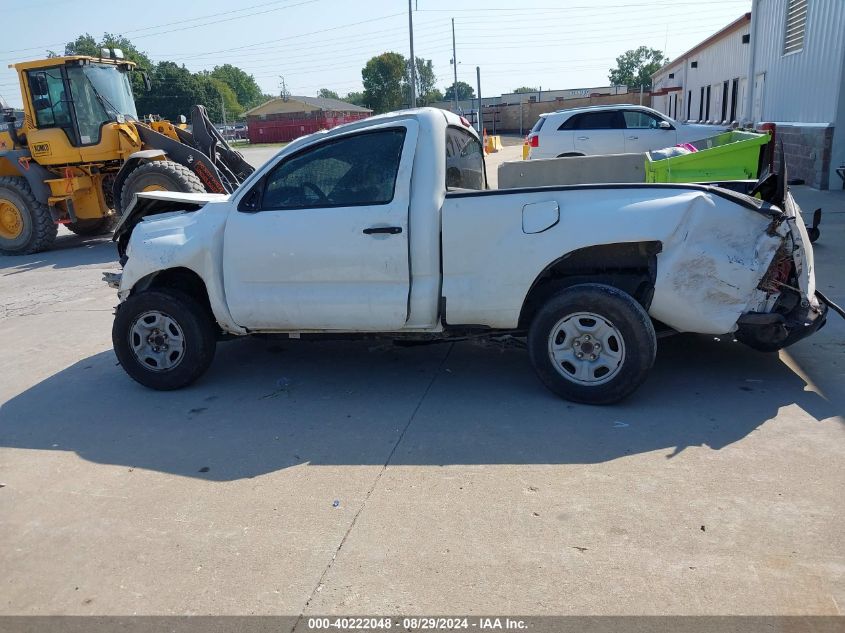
[508, 116]
[808, 152]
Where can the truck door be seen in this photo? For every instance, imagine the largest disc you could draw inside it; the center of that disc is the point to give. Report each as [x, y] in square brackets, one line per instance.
[320, 241]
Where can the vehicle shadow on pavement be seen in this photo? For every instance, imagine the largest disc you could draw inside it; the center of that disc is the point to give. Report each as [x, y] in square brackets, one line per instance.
[267, 405]
[68, 251]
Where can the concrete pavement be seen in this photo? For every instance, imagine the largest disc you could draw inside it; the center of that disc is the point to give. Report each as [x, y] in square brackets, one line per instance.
[359, 477]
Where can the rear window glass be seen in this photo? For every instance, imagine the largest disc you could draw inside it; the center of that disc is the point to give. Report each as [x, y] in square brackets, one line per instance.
[464, 160]
[538, 124]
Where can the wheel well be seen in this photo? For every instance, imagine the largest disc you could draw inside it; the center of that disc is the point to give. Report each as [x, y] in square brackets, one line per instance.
[629, 266]
[182, 279]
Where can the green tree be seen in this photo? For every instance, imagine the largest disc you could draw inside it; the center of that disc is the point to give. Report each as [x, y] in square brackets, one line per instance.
[465, 91]
[383, 77]
[243, 84]
[174, 91]
[635, 67]
[433, 96]
[217, 91]
[425, 80]
[524, 90]
[88, 45]
[325, 93]
[356, 98]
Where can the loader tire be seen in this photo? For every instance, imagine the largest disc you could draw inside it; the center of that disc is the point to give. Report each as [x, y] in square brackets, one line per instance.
[26, 225]
[93, 226]
[159, 175]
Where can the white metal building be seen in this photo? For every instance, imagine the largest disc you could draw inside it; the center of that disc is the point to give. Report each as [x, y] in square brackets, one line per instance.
[707, 84]
[795, 52]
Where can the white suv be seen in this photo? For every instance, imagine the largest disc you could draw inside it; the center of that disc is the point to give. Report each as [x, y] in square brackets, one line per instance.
[617, 129]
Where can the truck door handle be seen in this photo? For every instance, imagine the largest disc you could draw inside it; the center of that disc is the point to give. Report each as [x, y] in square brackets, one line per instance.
[633, 138]
[583, 138]
[392, 230]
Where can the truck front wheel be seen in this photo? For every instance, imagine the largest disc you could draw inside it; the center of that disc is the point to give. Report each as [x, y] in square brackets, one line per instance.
[164, 339]
[592, 343]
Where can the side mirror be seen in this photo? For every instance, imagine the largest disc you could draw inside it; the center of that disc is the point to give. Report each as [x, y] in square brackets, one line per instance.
[38, 84]
[664, 125]
[145, 77]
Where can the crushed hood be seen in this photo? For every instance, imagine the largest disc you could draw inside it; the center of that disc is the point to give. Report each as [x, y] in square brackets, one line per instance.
[154, 203]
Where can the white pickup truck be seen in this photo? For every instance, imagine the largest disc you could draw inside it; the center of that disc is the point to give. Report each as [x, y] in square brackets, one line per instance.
[385, 227]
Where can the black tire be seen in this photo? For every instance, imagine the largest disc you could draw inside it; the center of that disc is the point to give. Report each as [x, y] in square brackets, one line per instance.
[198, 333]
[38, 230]
[570, 155]
[93, 226]
[162, 173]
[631, 330]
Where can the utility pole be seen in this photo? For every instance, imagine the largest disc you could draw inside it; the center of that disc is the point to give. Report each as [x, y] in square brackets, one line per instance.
[284, 89]
[454, 67]
[223, 106]
[480, 116]
[413, 59]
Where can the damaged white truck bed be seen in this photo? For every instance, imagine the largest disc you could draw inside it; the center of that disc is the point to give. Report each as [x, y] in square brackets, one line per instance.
[384, 228]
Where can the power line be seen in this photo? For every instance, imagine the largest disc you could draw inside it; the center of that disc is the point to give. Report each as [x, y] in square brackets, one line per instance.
[291, 37]
[181, 28]
[523, 10]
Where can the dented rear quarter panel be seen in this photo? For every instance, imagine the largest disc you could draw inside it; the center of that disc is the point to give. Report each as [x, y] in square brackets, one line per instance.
[714, 250]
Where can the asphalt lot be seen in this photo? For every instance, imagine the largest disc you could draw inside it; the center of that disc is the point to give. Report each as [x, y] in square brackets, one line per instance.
[357, 477]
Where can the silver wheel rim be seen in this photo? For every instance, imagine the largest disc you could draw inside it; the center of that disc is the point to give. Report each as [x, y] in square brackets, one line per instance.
[587, 349]
[157, 341]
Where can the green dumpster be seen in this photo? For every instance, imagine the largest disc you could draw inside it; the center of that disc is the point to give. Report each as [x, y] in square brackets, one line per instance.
[731, 155]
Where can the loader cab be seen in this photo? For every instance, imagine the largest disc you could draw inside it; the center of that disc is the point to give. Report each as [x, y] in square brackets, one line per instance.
[76, 105]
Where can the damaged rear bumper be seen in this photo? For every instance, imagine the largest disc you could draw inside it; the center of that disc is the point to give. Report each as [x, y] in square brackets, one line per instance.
[771, 331]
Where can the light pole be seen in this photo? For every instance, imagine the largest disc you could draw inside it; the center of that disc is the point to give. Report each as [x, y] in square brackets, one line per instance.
[454, 67]
[480, 115]
[413, 59]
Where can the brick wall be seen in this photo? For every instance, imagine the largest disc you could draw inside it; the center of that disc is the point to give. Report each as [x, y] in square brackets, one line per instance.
[808, 153]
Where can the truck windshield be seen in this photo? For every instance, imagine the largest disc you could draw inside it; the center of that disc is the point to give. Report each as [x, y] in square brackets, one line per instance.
[101, 92]
[464, 160]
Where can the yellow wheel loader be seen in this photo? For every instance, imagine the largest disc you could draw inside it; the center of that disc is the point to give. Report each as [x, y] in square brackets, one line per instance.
[80, 154]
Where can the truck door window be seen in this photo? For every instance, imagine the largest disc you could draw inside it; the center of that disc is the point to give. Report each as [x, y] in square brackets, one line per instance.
[464, 160]
[90, 114]
[357, 170]
[49, 99]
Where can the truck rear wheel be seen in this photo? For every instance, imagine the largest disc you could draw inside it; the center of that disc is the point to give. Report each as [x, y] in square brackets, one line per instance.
[164, 339]
[159, 175]
[26, 225]
[592, 343]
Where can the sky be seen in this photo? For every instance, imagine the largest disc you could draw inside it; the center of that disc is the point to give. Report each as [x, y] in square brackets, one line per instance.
[317, 44]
